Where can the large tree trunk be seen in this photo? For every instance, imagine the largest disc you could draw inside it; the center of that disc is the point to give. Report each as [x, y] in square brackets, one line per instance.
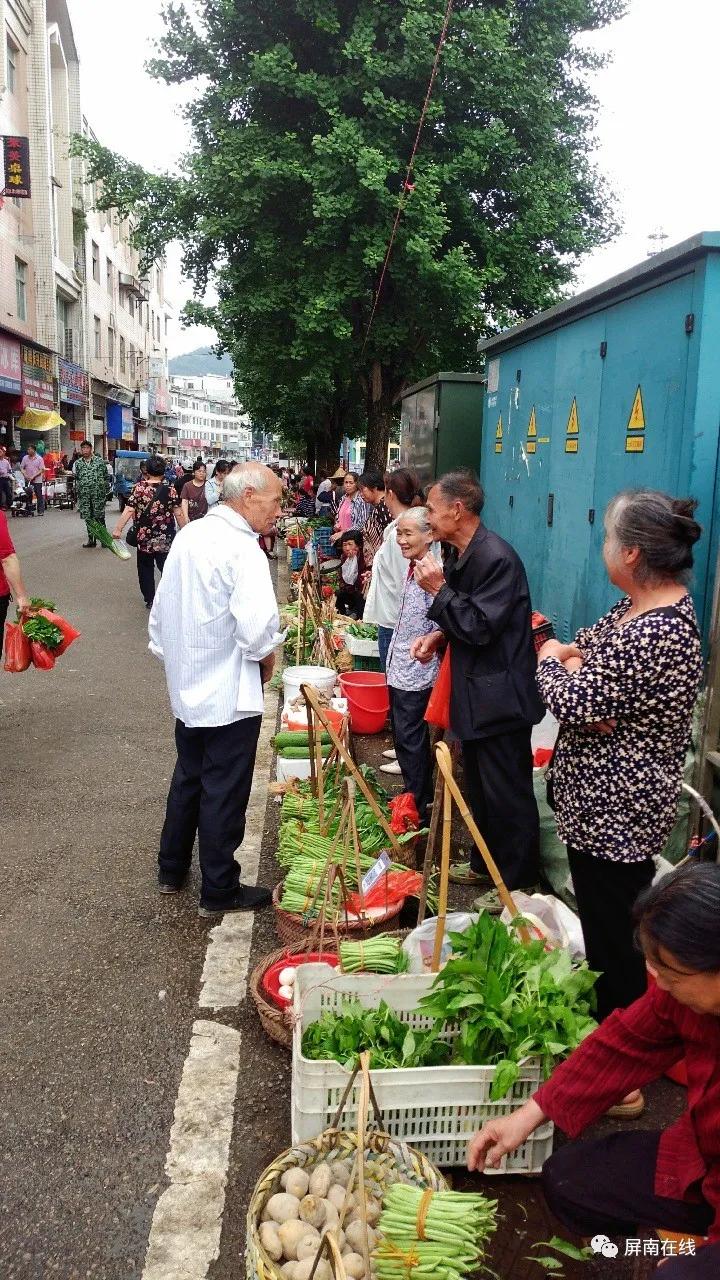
[380, 422]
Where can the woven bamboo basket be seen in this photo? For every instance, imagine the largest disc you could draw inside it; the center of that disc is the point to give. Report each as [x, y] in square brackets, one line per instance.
[292, 932]
[382, 1155]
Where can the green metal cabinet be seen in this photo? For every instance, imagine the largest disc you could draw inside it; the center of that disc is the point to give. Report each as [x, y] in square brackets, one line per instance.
[441, 424]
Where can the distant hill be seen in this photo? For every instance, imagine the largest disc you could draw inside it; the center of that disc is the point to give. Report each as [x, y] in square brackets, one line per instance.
[201, 361]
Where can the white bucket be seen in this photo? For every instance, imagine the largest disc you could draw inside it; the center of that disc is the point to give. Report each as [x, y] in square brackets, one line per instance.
[323, 679]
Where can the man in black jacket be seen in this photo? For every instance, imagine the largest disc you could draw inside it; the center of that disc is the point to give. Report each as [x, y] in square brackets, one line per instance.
[482, 608]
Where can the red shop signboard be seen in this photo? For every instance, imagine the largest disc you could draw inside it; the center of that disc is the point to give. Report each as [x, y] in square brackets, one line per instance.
[38, 391]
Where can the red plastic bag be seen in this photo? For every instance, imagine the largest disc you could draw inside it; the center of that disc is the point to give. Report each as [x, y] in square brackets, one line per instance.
[438, 708]
[69, 632]
[42, 657]
[405, 816]
[17, 648]
[392, 888]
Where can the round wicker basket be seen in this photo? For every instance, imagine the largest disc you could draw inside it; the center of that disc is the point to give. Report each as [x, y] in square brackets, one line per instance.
[292, 932]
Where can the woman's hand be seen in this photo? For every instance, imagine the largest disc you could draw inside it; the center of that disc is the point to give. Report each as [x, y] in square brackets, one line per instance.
[572, 665]
[425, 647]
[563, 652]
[429, 574]
[498, 1138]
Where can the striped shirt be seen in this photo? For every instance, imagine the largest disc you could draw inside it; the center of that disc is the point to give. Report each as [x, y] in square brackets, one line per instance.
[214, 618]
[375, 526]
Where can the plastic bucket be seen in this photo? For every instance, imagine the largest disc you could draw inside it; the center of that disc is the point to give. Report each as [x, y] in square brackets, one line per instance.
[368, 700]
[322, 678]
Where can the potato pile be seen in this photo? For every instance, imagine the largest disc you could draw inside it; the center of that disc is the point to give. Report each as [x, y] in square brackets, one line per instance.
[313, 1204]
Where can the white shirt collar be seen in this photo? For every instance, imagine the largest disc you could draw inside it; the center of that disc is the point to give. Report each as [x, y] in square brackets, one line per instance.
[222, 512]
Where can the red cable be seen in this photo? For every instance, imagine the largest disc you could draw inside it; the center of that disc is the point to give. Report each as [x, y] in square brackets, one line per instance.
[403, 198]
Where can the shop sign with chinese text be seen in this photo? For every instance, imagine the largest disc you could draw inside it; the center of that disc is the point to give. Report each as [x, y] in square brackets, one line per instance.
[74, 387]
[10, 366]
[16, 158]
[37, 380]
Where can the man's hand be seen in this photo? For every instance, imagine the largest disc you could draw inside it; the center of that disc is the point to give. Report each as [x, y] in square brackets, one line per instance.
[23, 604]
[498, 1138]
[425, 647]
[267, 666]
[563, 652]
[429, 574]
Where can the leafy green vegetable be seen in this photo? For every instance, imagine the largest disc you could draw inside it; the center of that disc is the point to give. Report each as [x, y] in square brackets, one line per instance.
[555, 1265]
[37, 602]
[363, 630]
[343, 1035]
[43, 631]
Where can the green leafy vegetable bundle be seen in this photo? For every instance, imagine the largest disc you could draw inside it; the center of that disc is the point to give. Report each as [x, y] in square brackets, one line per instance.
[363, 630]
[344, 1035]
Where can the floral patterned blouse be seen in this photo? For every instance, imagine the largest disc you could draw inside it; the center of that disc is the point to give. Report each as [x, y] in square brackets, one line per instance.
[154, 517]
[616, 794]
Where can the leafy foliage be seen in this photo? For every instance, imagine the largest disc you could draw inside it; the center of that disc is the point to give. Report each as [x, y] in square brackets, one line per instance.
[303, 121]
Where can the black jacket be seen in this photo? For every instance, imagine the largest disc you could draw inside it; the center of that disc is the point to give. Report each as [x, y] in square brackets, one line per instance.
[484, 610]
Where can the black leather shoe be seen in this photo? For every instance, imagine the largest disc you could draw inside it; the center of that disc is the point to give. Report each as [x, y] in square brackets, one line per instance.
[248, 898]
[89, 544]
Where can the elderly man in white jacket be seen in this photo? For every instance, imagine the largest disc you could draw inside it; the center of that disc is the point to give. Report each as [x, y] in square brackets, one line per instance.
[214, 625]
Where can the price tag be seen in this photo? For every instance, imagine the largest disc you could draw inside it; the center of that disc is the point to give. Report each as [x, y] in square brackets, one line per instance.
[375, 872]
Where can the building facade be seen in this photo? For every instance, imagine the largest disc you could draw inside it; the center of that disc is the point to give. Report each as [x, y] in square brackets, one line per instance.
[82, 338]
[210, 421]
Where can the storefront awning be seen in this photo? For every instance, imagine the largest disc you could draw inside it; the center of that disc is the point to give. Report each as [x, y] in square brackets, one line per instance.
[40, 420]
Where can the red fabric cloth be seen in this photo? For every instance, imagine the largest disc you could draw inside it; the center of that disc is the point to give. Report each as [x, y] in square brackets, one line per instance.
[6, 549]
[632, 1047]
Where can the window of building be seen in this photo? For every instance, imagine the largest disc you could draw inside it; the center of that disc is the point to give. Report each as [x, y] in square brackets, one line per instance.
[98, 337]
[109, 275]
[21, 288]
[131, 369]
[11, 66]
[122, 354]
[95, 262]
[111, 344]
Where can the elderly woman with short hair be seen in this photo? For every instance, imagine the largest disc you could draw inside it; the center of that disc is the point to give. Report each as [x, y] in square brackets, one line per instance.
[410, 682]
[624, 694]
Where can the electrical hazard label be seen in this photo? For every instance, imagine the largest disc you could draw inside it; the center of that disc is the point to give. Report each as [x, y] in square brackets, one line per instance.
[532, 425]
[636, 421]
[498, 447]
[531, 446]
[571, 445]
[498, 429]
[573, 425]
[634, 444]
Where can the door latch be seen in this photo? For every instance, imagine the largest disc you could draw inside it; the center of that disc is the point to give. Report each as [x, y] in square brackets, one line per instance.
[550, 508]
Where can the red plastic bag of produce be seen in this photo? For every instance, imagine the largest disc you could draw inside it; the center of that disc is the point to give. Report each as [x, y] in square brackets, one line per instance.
[42, 657]
[405, 816]
[69, 632]
[392, 888]
[438, 708]
[16, 648]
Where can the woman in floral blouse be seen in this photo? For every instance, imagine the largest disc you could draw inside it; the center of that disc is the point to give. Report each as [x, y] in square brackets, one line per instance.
[624, 694]
[152, 506]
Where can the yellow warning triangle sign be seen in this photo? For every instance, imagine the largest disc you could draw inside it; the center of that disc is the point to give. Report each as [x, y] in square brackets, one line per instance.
[636, 421]
[573, 426]
[498, 429]
[532, 425]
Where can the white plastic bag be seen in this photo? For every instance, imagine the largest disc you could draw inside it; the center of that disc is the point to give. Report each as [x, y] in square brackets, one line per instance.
[420, 944]
[552, 920]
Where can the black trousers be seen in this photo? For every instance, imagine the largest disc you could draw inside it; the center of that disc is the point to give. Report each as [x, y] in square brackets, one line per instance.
[4, 604]
[208, 797]
[605, 893]
[411, 735]
[6, 493]
[607, 1187]
[146, 562]
[499, 789]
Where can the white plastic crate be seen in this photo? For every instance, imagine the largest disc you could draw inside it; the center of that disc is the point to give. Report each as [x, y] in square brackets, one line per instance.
[436, 1109]
[361, 648]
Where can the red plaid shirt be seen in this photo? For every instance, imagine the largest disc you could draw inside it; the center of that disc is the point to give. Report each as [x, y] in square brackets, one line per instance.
[631, 1048]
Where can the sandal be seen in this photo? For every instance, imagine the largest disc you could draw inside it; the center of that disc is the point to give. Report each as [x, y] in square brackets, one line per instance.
[463, 873]
[489, 902]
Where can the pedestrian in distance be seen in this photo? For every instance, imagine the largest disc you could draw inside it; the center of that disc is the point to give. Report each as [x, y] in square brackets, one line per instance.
[481, 608]
[353, 510]
[410, 682]
[6, 480]
[91, 484]
[372, 491]
[337, 492]
[33, 469]
[151, 506]
[621, 1183]
[389, 570]
[11, 581]
[193, 503]
[214, 486]
[624, 693]
[214, 625]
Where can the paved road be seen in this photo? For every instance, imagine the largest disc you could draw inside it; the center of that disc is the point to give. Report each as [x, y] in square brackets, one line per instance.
[127, 1040]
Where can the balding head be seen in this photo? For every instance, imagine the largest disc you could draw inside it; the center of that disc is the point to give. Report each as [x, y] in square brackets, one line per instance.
[255, 492]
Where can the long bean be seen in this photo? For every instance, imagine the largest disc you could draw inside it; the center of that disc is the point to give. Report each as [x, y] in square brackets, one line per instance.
[443, 1235]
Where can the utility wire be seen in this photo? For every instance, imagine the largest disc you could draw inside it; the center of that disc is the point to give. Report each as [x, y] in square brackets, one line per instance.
[406, 185]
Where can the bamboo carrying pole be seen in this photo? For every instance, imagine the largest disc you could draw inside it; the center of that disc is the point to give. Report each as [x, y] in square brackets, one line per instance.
[311, 696]
[444, 877]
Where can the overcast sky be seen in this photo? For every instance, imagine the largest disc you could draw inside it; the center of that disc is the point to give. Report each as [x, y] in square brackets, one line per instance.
[657, 119]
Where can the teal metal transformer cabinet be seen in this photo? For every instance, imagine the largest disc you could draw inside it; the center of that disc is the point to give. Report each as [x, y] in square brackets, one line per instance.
[618, 388]
[441, 424]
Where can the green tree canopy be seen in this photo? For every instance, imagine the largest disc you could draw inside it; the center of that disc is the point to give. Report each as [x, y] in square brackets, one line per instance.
[303, 119]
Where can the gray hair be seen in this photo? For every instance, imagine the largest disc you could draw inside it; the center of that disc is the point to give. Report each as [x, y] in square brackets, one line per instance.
[464, 487]
[662, 528]
[248, 475]
[418, 516]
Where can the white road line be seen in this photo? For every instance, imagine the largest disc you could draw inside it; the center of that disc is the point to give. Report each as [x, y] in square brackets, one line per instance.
[224, 978]
[187, 1223]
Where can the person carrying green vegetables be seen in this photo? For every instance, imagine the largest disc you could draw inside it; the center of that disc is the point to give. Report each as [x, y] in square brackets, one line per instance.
[92, 487]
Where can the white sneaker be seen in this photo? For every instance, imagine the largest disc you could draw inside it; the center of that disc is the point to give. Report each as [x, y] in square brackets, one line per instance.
[390, 754]
[391, 768]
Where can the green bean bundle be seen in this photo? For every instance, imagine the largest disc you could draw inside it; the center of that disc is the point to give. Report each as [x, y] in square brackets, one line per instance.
[382, 954]
[438, 1234]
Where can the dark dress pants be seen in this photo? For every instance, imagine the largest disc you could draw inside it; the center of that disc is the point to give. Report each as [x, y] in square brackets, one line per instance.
[411, 736]
[499, 790]
[4, 605]
[606, 1187]
[146, 562]
[605, 892]
[208, 797]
